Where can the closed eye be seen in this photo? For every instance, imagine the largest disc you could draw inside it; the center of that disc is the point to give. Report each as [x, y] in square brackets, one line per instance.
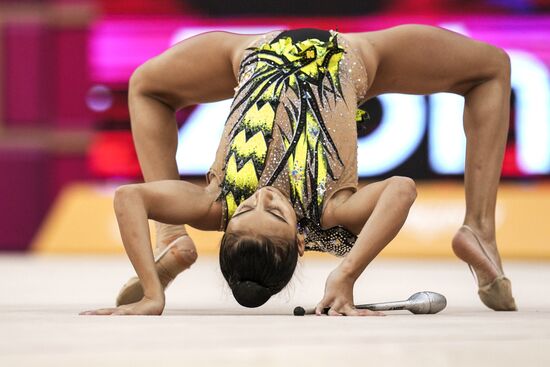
[247, 209]
[278, 216]
[243, 211]
[276, 210]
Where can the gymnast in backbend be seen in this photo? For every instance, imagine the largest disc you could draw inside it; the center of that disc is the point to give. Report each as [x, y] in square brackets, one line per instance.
[284, 179]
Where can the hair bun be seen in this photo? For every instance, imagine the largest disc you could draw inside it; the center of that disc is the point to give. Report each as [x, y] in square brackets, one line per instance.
[250, 294]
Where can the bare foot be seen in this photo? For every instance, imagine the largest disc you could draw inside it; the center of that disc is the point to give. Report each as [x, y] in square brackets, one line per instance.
[482, 256]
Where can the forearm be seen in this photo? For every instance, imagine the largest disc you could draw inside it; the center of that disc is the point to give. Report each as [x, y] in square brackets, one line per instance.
[392, 199]
[387, 218]
[131, 215]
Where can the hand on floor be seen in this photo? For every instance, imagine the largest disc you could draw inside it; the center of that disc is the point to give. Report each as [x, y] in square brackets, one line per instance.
[339, 297]
[145, 306]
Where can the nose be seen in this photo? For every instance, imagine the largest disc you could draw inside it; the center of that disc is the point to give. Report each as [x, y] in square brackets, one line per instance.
[264, 197]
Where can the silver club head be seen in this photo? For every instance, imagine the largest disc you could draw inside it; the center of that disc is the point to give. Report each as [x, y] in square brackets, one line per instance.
[426, 303]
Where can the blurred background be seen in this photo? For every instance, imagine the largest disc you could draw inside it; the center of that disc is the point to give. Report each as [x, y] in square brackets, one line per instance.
[65, 140]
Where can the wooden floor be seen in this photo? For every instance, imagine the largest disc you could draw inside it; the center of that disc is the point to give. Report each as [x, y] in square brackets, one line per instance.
[40, 298]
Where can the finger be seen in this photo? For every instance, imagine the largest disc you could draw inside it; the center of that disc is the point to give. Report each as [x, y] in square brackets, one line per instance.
[101, 311]
[119, 312]
[342, 309]
[369, 313]
[104, 311]
[332, 312]
[320, 308]
[350, 310]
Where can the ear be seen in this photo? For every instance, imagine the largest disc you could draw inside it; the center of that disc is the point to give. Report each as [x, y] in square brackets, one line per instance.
[301, 243]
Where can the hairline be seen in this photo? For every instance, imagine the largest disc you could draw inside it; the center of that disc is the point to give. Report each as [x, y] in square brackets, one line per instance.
[256, 236]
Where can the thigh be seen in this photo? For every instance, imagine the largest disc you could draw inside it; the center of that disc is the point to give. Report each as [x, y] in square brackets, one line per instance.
[200, 69]
[418, 59]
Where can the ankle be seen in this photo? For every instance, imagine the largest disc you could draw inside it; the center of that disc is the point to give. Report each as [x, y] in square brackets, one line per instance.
[485, 231]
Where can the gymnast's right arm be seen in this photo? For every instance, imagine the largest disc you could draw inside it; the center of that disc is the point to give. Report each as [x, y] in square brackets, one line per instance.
[172, 202]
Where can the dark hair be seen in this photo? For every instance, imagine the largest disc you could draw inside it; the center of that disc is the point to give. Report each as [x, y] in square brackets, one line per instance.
[257, 267]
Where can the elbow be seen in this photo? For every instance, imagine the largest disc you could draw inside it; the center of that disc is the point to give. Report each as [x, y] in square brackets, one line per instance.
[404, 189]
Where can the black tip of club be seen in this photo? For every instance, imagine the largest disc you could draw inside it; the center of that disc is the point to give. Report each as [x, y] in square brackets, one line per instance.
[299, 311]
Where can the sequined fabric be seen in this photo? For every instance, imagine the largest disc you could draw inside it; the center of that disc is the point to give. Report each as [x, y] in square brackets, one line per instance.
[336, 240]
[292, 125]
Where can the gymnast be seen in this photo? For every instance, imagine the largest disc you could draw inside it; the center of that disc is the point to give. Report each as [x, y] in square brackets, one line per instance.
[284, 179]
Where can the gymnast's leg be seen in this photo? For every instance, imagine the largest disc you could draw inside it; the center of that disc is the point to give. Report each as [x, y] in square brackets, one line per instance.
[486, 127]
[486, 119]
[423, 60]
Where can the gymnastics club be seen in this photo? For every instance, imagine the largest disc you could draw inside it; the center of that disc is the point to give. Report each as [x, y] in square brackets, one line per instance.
[419, 303]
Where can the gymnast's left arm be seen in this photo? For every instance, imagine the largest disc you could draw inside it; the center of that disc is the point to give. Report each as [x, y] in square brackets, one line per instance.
[376, 213]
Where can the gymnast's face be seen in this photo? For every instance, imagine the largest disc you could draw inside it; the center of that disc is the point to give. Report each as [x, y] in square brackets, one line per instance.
[268, 212]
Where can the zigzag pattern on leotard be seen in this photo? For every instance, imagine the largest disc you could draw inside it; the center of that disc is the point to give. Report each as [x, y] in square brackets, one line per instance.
[308, 68]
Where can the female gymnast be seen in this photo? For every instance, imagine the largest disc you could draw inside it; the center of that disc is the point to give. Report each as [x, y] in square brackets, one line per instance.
[284, 178]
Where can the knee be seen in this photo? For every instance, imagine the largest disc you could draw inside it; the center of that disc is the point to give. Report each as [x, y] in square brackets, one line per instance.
[502, 64]
[403, 188]
[138, 80]
[137, 89]
[124, 195]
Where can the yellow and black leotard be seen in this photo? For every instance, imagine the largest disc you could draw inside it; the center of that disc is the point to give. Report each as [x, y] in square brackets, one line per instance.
[292, 125]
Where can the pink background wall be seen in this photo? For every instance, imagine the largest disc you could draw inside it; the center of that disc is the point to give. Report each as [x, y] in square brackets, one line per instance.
[52, 52]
